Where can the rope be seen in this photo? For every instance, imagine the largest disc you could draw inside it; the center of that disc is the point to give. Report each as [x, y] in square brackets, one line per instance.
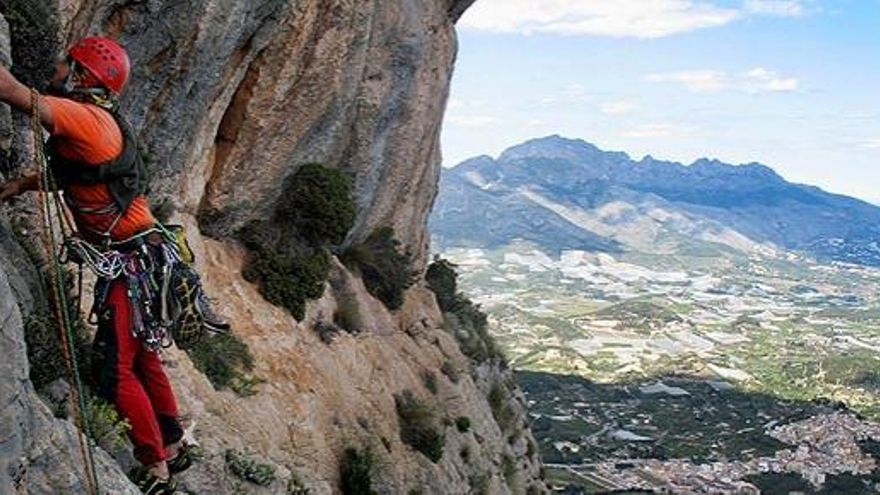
[62, 309]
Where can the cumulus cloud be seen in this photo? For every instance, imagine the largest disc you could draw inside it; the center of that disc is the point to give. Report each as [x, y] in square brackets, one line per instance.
[618, 18]
[754, 81]
[760, 80]
[697, 81]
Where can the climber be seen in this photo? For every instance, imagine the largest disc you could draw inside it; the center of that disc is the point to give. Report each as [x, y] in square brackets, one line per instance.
[95, 160]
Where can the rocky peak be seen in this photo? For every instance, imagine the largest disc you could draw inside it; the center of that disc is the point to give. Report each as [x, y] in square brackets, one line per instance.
[551, 147]
[706, 167]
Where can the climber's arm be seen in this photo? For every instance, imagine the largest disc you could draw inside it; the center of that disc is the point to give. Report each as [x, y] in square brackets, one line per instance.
[16, 94]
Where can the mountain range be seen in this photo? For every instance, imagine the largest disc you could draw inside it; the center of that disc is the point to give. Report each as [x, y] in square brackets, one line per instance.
[564, 193]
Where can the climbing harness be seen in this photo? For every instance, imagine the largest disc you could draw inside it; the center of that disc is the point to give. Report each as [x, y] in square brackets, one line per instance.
[62, 309]
[165, 292]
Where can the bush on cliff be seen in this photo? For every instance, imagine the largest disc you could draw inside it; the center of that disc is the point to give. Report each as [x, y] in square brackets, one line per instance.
[419, 425]
[356, 472]
[318, 203]
[464, 319]
[225, 360]
[288, 275]
[45, 352]
[386, 270]
[288, 258]
[43, 334]
[249, 469]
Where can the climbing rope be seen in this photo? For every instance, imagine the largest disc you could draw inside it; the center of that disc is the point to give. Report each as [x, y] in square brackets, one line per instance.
[62, 309]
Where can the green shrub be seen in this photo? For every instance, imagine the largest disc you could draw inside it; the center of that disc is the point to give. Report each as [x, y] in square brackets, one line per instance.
[295, 486]
[106, 427]
[289, 260]
[463, 424]
[286, 276]
[419, 425]
[464, 319]
[386, 271]
[357, 472]
[508, 468]
[46, 354]
[443, 281]
[451, 371]
[429, 379]
[43, 334]
[250, 470]
[225, 360]
[348, 314]
[531, 449]
[480, 483]
[317, 202]
[499, 398]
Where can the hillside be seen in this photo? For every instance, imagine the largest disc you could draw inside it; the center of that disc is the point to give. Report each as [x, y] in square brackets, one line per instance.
[568, 194]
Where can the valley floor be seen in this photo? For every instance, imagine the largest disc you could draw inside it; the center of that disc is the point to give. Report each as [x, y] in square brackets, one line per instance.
[695, 370]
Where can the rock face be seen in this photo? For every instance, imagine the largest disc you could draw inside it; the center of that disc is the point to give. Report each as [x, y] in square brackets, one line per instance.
[231, 97]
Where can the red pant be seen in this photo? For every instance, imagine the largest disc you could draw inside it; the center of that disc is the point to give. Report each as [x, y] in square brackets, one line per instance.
[131, 376]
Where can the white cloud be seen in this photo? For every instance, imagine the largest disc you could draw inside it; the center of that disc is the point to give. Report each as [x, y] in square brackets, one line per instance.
[760, 80]
[783, 8]
[471, 121]
[698, 81]
[618, 107]
[754, 81]
[872, 144]
[655, 131]
[618, 18]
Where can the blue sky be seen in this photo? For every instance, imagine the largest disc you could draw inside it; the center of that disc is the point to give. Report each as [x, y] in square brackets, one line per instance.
[794, 84]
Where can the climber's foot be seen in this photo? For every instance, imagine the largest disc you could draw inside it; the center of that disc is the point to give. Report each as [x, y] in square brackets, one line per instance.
[152, 484]
[182, 460]
[210, 319]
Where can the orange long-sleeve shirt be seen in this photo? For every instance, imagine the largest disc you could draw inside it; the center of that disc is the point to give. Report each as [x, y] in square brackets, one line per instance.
[89, 134]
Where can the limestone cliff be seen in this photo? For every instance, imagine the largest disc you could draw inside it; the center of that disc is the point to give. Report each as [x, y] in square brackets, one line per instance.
[230, 98]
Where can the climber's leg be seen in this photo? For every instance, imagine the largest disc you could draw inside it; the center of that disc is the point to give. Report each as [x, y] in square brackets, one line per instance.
[148, 367]
[116, 352]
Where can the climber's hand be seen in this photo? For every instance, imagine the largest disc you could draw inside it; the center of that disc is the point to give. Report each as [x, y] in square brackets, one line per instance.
[10, 189]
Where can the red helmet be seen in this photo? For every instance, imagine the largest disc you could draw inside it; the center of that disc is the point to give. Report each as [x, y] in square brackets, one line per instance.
[105, 59]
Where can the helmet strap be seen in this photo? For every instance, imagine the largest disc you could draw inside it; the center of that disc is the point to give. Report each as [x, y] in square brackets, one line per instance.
[68, 86]
[101, 97]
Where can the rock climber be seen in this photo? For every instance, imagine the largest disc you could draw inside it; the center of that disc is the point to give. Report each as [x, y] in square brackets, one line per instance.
[95, 161]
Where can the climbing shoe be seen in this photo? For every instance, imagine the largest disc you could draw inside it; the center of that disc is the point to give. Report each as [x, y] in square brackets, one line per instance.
[210, 319]
[182, 461]
[150, 484]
